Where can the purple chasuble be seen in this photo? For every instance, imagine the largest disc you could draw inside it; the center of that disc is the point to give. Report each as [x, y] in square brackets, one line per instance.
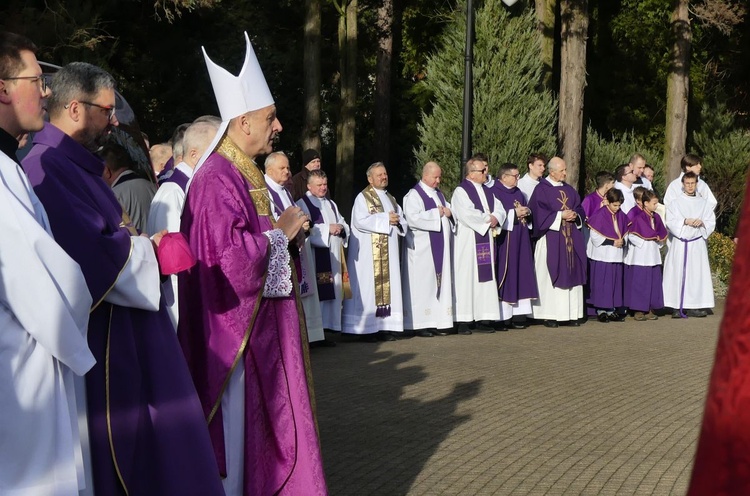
[647, 226]
[611, 226]
[514, 257]
[178, 177]
[146, 426]
[566, 252]
[224, 318]
[592, 203]
[482, 244]
[436, 237]
[323, 270]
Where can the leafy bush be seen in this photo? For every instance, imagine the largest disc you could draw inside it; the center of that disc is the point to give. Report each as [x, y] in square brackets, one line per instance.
[720, 255]
[513, 115]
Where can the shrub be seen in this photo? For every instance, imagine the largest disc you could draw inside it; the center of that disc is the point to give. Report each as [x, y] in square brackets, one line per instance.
[720, 256]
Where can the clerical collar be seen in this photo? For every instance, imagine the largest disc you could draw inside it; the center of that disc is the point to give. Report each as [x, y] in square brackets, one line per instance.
[276, 186]
[8, 145]
[122, 174]
[425, 187]
[690, 194]
[553, 182]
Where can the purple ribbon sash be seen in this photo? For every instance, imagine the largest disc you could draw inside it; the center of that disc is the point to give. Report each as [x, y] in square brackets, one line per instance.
[482, 243]
[437, 246]
[323, 270]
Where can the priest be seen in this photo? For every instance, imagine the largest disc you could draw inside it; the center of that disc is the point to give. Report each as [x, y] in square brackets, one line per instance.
[43, 347]
[373, 260]
[514, 266]
[426, 261]
[560, 253]
[478, 218]
[329, 235]
[147, 433]
[241, 323]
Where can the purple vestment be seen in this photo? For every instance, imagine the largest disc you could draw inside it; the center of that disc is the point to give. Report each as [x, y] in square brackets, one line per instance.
[147, 430]
[437, 246]
[515, 259]
[643, 284]
[592, 203]
[224, 317]
[611, 226]
[566, 252]
[482, 243]
[648, 226]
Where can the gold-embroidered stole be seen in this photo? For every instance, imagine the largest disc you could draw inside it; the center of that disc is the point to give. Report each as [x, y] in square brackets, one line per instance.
[249, 170]
[380, 262]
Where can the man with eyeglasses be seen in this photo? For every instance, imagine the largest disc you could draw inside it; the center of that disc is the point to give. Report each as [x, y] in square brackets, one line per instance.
[478, 219]
[44, 306]
[560, 253]
[148, 434]
[516, 286]
[625, 181]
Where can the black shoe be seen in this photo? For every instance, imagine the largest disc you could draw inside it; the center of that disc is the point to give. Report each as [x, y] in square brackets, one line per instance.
[440, 332]
[325, 343]
[551, 324]
[385, 336]
[369, 338]
[464, 329]
[696, 313]
[482, 327]
[616, 317]
[513, 324]
[423, 333]
[573, 323]
[676, 314]
[603, 318]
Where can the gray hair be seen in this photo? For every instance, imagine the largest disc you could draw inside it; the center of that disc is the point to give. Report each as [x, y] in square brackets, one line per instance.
[272, 158]
[374, 166]
[211, 119]
[198, 136]
[178, 148]
[317, 173]
[77, 81]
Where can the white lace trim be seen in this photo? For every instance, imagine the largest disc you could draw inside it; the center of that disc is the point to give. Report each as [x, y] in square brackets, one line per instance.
[279, 279]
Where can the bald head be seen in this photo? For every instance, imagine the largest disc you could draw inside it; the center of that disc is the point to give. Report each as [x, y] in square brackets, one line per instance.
[557, 169]
[431, 174]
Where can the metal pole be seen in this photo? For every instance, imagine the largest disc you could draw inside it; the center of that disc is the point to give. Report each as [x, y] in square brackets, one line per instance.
[468, 83]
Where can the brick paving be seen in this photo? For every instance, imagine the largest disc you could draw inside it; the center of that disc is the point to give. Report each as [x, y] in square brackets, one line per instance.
[604, 409]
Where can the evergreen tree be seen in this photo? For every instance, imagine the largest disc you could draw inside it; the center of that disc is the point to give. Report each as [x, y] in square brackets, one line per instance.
[513, 114]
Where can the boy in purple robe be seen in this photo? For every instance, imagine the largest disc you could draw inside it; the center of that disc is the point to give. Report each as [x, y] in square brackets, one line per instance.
[241, 324]
[595, 200]
[514, 257]
[147, 432]
[605, 251]
[560, 253]
[643, 276]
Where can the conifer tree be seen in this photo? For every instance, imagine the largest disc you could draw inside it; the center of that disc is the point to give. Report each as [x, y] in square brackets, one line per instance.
[513, 114]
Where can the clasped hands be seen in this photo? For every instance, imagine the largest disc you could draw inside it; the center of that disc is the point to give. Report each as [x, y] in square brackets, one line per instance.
[694, 222]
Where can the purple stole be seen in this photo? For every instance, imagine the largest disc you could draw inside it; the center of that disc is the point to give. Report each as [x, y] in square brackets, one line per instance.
[647, 226]
[179, 178]
[481, 243]
[611, 226]
[277, 203]
[437, 245]
[323, 270]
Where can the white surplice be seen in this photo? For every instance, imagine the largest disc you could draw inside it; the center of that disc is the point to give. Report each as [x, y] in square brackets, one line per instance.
[674, 190]
[474, 300]
[423, 309]
[527, 184]
[699, 291]
[313, 317]
[358, 315]
[627, 193]
[321, 238]
[165, 213]
[44, 310]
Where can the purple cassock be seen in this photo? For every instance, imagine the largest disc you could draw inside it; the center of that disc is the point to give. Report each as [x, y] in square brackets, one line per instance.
[148, 435]
[566, 252]
[592, 203]
[605, 289]
[224, 318]
[643, 283]
[514, 258]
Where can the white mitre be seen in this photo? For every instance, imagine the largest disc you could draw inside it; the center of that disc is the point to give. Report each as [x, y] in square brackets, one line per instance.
[236, 95]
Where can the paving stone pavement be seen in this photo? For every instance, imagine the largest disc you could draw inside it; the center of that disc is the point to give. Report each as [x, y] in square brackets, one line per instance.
[604, 409]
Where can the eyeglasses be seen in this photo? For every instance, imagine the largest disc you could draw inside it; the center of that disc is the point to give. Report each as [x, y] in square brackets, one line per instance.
[110, 110]
[42, 78]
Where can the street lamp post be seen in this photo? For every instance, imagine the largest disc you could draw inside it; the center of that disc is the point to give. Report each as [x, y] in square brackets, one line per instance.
[469, 80]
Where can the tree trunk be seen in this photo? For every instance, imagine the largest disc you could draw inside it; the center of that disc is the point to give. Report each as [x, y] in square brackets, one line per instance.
[348, 87]
[678, 85]
[545, 15]
[574, 34]
[383, 82]
[311, 64]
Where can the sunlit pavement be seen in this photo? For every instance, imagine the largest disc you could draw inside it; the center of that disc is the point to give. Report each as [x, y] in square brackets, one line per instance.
[601, 409]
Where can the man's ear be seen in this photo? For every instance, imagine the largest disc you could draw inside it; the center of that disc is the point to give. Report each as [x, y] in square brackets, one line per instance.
[4, 93]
